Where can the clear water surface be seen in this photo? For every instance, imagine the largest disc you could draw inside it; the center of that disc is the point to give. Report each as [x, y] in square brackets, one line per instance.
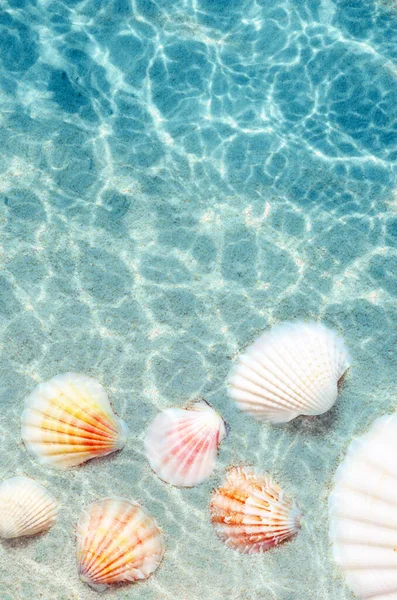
[175, 177]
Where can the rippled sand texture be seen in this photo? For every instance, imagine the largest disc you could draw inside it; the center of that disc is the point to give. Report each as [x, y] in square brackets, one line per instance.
[176, 176]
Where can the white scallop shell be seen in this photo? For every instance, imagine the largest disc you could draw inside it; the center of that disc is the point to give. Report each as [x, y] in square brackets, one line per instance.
[291, 370]
[182, 443]
[117, 542]
[363, 513]
[69, 420]
[26, 508]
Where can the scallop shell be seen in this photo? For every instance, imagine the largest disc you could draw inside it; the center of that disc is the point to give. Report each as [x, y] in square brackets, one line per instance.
[69, 420]
[363, 513]
[291, 370]
[182, 443]
[250, 512]
[26, 508]
[117, 541]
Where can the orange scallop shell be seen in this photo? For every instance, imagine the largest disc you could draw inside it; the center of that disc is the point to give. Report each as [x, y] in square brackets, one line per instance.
[117, 542]
[250, 513]
[69, 420]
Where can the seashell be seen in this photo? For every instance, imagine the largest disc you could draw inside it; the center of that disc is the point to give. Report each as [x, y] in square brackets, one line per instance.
[117, 541]
[26, 508]
[250, 512]
[291, 370]
[69, 420]
[363, 513]
[182, 443]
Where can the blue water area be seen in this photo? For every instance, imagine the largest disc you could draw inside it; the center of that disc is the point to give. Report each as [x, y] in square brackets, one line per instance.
[175, 177]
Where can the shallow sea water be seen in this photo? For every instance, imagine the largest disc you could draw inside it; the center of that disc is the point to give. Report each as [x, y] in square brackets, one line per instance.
[175, 177]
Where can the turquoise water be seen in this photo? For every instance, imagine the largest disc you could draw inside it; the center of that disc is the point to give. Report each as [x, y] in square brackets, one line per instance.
[175, 178]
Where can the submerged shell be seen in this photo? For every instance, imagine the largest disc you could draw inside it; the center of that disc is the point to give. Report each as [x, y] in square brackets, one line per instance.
[117, 541]
[363, 513]
[69, 420]
[182, 443]
[26, 508]
[291, 370]
[250, 513]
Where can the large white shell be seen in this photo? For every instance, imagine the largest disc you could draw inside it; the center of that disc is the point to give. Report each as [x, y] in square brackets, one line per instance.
[250, 513]
[182, 443]
[363, 513]
[69, 420]
[26, 508]
[291, 370]
[117, 541]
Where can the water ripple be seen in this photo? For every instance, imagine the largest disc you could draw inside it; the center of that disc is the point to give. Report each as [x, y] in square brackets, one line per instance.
[175, 178]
